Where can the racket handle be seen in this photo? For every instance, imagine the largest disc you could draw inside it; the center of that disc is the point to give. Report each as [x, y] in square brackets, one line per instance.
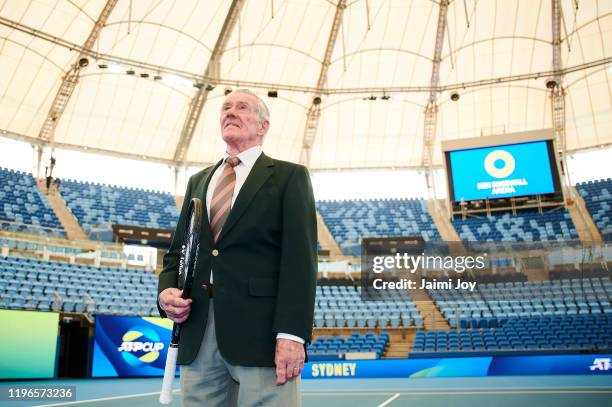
[165, 397]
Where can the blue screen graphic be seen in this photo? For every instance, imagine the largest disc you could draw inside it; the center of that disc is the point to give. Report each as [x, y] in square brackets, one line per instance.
[501, 171]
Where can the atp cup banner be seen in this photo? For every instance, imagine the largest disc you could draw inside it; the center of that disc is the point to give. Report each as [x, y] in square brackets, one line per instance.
[130, 346]
[462, 367]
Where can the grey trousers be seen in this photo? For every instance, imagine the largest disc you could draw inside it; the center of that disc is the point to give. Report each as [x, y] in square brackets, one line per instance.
[212, 382]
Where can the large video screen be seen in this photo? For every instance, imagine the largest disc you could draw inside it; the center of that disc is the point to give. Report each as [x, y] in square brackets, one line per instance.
[29, 344]
[130, 346]
[502, 171]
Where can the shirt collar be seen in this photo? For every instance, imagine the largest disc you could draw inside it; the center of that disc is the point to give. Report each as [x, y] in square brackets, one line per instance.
[248, 157]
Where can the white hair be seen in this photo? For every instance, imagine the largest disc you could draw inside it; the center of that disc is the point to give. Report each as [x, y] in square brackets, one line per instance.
[262, 110]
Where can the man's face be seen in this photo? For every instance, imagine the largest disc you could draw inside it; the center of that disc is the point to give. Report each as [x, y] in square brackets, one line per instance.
[239, 119]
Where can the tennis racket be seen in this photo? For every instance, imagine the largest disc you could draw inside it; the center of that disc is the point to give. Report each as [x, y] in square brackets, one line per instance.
[187, 263]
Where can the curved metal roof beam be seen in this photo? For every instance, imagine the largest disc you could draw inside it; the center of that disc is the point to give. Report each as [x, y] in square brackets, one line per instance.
[470, 84]
[436, 2]
[293, 102]
[159, 83]
[594, 20]
[399, 50]
[74, 147]
[339, 102]
[304, 89]
[59, 68]
[585, 76]
[167, 27]
[261, 44]
[505, 37]
[483, 89]
[82, 11]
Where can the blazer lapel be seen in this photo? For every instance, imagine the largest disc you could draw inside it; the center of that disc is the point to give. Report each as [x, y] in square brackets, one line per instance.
[261, 171]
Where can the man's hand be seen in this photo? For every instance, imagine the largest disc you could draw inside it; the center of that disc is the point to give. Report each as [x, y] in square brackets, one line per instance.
[289, 360]
[175, 307]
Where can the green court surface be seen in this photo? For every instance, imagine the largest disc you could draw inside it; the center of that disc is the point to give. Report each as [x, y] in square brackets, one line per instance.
[511, 391]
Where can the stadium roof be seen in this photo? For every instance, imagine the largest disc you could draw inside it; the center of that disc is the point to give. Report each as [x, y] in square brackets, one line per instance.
[371, 62]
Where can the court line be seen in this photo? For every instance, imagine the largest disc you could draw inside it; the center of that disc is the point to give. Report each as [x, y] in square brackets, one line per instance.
[406, 392]
[127, 396]
[463, 389]
[365, 393]
[389, 400]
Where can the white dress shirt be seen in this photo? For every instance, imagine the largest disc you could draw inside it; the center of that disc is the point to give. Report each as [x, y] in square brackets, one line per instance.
[247, 160]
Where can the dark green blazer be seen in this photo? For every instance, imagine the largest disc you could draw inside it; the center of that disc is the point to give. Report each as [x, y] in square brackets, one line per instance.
[265, 270]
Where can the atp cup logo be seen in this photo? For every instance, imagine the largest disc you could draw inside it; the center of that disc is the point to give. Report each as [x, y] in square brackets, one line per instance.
[140, 345]
[601, 364]
[499, 164]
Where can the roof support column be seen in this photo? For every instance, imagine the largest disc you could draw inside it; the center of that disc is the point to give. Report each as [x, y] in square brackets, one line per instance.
[71, 78]
[557, 95]
[431, 110]
[314, 111]
[196, 105]
[39, 153]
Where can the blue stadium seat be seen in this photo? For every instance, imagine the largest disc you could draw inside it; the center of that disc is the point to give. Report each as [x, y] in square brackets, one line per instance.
[22, 287]
[23, 208]
[598, 199]
[349, 221]
[334, 348]
[537, 298]
[525, 226]
[97, 207]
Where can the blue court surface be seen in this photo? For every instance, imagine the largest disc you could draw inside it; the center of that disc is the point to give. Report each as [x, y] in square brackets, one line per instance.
[511, 391]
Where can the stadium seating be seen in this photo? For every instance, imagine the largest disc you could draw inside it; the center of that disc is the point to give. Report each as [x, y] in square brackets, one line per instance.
[492, 304]
[31, 284]
[38, 247]
[598, 199]
[23, 208]
[526, 226]
[99, 206]
[546, 334]
[48, 285]
[339, 306]
[336, 347]
[349, 221]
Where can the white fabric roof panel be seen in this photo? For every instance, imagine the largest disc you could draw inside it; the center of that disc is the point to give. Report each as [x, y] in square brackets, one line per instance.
[396, 50]
[357, 133]
[588, 105]
[178, 35]
[144, 120]
[381, 44]
[29, 79]
[485, 111]
[285, 49]
[70, 20]
[31, 68]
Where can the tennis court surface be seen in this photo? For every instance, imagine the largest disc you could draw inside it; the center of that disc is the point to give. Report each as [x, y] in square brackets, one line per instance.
[514, 391]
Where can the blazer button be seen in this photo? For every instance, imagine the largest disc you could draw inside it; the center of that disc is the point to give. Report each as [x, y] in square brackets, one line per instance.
[215, 252]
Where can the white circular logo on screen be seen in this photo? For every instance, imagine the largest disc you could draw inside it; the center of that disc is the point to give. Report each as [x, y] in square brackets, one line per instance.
[499, 164]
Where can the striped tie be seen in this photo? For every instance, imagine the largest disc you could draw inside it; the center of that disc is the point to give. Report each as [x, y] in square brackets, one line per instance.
[221, 202]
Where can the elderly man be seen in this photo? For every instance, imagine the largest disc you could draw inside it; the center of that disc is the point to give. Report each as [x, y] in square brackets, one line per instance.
[257, 263]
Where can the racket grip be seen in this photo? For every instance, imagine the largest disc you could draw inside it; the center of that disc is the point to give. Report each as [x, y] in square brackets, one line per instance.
[165, 397]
